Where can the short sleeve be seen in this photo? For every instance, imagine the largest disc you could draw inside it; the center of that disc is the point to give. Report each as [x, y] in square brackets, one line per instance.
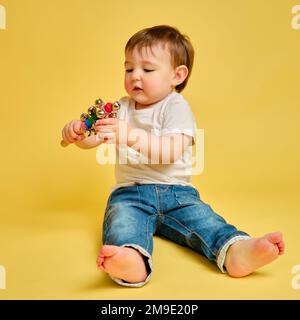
[179, 118]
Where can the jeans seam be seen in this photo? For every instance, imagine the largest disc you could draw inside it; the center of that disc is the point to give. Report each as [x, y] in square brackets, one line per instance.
[139, 195]
[147, 234]
[158, 200]
[212, 252]
[147, 223]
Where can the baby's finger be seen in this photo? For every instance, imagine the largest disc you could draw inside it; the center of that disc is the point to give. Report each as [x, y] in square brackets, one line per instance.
[77, 127]
[107, 121]
[70, 139]
[80, 137]
[72, 135]
[67, 138]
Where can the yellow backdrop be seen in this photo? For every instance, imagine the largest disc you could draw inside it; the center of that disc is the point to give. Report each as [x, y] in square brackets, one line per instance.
[57, 56]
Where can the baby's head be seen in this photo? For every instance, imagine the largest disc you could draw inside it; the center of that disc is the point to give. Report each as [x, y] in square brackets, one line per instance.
[158, 60]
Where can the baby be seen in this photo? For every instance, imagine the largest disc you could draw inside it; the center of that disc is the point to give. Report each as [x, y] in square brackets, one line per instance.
[154, 134]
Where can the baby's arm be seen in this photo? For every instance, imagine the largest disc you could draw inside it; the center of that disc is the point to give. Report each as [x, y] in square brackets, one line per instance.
[163, 149]
[158, 149]
[88, 142]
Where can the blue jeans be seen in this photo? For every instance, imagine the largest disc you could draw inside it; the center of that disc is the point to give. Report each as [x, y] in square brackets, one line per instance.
[135, 213]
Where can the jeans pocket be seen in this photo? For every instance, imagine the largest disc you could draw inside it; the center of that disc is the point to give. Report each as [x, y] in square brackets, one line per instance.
[186, 196]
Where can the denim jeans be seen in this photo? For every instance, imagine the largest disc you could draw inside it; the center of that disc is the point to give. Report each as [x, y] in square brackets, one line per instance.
[135, 213]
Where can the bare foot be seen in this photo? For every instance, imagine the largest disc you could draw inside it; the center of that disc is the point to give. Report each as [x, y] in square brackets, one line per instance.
[245, 256]
[123, 263]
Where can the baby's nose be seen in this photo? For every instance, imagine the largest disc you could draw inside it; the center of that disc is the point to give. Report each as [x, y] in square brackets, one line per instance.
[136, 75]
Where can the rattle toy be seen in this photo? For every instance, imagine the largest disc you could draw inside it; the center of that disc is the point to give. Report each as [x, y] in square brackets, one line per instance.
[100, 110]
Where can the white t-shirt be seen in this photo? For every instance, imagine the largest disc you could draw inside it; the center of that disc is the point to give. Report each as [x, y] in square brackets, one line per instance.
[170, 115]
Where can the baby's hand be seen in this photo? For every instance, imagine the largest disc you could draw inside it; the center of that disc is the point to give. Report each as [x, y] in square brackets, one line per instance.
[72, 132]
[112, 130]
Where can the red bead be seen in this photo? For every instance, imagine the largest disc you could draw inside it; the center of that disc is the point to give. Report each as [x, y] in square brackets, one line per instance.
[108, 107]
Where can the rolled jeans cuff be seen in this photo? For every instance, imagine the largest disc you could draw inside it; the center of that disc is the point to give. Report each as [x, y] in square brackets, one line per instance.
[223, 251]
[150, 264]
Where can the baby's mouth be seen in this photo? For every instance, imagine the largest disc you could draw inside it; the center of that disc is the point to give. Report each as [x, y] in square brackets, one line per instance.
[137, 89]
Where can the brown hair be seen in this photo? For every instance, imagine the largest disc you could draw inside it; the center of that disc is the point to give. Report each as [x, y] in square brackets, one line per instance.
[179, 45]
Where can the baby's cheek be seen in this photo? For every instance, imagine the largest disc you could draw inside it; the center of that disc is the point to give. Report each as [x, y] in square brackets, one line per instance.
[127, 84]
[151, 87]
[156, 90]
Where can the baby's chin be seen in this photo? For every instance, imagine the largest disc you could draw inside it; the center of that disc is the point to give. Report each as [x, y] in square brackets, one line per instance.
[143, 100]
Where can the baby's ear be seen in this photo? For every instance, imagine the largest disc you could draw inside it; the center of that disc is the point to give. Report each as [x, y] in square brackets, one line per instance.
[181, 72]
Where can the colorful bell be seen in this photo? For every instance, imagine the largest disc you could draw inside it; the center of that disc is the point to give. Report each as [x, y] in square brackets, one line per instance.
[101, 110]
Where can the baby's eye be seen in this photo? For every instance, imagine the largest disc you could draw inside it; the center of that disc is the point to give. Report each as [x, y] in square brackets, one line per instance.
[128, 70]
[148, 70]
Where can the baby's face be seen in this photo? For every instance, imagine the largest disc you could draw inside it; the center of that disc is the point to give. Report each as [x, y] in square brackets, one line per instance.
[149, 75]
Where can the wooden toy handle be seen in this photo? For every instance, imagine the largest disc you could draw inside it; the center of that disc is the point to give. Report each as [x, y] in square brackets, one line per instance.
[64, 143]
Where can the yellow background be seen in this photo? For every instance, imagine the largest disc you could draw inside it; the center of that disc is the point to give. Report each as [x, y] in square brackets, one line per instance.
[57, 56]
